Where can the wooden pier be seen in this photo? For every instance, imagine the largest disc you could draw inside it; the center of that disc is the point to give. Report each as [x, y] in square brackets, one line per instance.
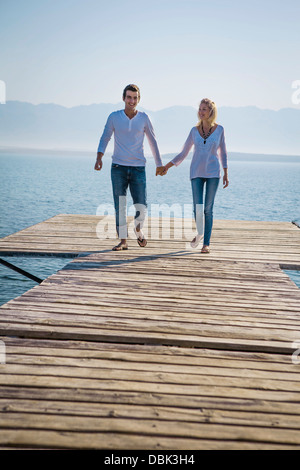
[156, 348]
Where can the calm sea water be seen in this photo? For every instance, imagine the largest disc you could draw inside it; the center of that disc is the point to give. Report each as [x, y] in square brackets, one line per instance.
[37, 187]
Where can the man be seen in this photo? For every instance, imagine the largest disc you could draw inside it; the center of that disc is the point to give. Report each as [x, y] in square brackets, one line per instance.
[128, 162]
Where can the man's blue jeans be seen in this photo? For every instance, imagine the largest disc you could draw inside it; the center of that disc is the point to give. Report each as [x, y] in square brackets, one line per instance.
[133, 177]
[210, 193]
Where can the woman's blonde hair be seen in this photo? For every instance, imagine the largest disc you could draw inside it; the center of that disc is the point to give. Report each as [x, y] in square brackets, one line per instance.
[213, 111]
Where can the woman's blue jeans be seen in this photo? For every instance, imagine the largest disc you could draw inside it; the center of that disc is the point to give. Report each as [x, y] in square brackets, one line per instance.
[133, 177]
[210, 193]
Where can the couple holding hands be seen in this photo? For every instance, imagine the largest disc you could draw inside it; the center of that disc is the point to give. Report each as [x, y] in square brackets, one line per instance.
[128, 165]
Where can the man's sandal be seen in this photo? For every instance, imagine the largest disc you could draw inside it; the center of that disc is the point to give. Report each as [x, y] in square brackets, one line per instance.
[205, 249]
[142, 242]
[140, 238]
[121, 246]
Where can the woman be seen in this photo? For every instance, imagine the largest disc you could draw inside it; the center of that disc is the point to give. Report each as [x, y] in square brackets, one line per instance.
[209, 148]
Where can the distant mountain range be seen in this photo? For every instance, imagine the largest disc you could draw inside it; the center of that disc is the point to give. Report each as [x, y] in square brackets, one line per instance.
[50, 126]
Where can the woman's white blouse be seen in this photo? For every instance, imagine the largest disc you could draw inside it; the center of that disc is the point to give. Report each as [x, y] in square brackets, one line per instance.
[206, 157]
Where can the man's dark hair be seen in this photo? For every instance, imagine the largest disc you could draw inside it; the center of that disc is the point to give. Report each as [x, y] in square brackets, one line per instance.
[131, 87]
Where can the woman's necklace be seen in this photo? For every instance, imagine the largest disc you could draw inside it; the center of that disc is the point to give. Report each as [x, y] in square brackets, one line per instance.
[205, 136]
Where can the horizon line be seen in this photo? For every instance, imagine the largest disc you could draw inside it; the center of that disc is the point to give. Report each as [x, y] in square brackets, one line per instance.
[8, 148]
[150, 110]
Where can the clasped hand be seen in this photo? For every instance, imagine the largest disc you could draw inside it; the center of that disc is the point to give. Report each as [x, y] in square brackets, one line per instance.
[161, 170]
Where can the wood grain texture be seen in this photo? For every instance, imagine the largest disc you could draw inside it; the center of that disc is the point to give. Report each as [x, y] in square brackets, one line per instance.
[156, 348]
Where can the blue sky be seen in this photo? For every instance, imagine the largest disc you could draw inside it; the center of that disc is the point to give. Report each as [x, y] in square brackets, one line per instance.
[79, 52]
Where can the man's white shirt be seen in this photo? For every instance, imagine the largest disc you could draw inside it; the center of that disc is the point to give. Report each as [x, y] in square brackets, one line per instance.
[129, 138]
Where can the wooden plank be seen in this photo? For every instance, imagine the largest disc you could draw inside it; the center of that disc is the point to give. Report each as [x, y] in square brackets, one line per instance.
[148, 337]
[209, 326]
[150, 428]
[140, 362]
[116, 441]
[238, 318]
[136, 376]
[159, 413]
[223, 404]
[276, 242]
[106, 285]
[150, 402]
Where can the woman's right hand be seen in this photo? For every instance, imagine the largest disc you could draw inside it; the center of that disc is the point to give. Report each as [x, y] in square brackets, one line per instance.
[167, 167]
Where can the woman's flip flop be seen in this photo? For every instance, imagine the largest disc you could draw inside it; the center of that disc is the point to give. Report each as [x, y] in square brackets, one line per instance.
[195, 242]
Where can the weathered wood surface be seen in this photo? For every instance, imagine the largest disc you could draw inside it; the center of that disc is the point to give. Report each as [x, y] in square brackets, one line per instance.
[172, 298]
[155, 348]
[65, 394]
[268, 242]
